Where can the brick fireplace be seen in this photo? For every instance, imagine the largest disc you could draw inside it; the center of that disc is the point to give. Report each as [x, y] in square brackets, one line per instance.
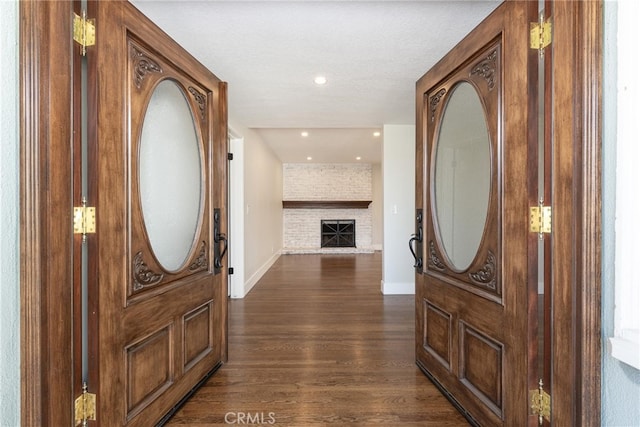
[314, 193]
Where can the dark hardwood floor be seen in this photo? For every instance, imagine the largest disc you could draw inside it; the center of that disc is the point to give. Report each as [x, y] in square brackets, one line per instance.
[316, 343]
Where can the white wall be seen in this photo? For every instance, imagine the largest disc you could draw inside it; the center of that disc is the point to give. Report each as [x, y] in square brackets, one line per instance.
[398, 171]
[262, 206]
[9, 221]
[620, 382]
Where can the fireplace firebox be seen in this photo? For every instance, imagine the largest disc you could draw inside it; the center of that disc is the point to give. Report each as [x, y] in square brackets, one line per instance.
[338, 233]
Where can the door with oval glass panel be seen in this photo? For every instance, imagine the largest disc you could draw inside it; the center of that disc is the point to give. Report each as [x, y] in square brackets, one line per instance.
[158, 289]
[475, 110]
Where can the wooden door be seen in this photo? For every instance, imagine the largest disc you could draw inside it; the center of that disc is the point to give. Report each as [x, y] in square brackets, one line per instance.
[159, 291]
[476, 136]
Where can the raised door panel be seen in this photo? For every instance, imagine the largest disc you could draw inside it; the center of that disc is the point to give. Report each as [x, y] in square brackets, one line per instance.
[481, 366]
[149, 369]
[437, 333]
[198, 334]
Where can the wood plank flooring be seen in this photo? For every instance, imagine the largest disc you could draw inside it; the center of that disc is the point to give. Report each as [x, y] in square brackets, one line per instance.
[315, 343]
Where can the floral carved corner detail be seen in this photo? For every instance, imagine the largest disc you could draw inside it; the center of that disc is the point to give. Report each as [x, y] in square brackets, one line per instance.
[487, 69]
[434, 101]
[435, 262]
[201, 261]
[142, 275]
[143, 65]
[486, 276]
[200, 99]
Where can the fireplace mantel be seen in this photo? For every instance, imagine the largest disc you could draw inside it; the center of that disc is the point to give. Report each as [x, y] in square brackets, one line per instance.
[326, 204]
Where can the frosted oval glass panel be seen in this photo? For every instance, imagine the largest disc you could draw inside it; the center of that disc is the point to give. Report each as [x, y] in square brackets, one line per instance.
[462, 177]
[170, 173]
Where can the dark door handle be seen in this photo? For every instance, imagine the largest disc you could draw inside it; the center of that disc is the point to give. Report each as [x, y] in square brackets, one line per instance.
[418, 239]
[217, 238]
[220, 237]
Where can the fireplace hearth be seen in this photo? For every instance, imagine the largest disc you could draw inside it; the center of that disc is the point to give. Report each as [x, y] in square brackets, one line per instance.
[338, 233]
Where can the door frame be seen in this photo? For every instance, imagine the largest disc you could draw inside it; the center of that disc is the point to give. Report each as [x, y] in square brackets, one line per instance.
[46, 271]
[576, 236]
[236, 215]
[46, 200]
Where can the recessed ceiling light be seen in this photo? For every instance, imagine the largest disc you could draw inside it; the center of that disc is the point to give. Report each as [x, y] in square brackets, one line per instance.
[304, 133]
[376, 133]
[358, 158]
[320, 80]
[309, 158]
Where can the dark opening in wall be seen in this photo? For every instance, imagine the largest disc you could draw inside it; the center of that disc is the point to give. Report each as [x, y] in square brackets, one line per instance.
[338, 233]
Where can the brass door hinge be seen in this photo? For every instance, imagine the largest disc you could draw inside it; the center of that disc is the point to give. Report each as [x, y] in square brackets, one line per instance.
[540, 34]
[85, 406]
[540, 403]
[84, 31]
[540, 219]
[84, 219]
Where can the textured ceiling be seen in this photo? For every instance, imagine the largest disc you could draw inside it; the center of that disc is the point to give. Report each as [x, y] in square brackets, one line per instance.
[269, 52]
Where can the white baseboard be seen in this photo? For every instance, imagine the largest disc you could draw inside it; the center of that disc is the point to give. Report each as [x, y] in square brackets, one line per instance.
[249, 284]
[398, 288]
